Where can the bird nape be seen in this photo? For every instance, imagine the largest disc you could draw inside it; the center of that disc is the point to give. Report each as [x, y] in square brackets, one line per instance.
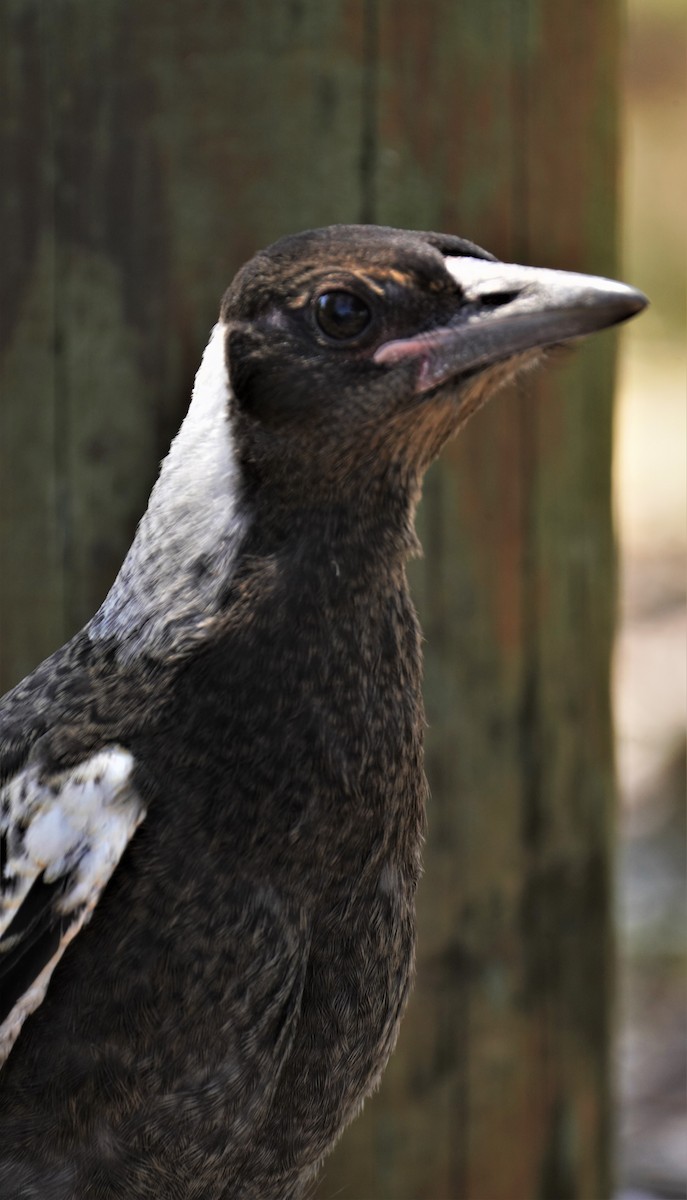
[213, 796]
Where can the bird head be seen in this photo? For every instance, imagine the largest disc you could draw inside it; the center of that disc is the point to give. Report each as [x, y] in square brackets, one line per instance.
[354, 352]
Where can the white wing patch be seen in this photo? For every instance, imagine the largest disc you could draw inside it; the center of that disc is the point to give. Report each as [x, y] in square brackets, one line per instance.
[70, 827]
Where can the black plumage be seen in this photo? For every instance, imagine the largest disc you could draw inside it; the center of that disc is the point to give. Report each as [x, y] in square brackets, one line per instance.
[225, 766]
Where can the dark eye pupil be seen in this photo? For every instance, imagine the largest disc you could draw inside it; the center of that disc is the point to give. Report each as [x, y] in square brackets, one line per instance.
[342, 314]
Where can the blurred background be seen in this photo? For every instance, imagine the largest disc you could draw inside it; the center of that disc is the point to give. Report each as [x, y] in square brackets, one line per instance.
[650, 677]
[146, 150]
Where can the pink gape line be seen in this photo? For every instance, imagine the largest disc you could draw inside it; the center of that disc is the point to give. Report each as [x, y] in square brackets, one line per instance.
[421, 347]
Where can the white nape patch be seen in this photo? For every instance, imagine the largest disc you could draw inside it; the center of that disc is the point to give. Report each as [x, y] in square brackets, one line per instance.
[198, 479]
[74, 824]
[197, 444]
[192, 515]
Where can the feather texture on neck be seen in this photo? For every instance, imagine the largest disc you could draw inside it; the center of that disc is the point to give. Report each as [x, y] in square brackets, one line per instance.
[186, 542]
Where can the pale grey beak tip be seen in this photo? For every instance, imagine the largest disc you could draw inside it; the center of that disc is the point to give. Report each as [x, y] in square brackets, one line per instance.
[634, 302]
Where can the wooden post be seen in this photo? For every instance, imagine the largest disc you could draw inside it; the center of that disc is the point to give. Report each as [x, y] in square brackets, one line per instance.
[147, 150]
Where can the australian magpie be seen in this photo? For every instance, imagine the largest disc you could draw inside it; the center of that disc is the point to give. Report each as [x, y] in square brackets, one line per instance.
[213, 796]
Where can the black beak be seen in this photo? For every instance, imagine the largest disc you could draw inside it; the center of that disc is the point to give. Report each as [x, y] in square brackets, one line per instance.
[506, 309]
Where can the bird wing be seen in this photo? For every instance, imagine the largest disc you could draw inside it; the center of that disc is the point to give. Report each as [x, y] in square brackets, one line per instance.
[61, 837]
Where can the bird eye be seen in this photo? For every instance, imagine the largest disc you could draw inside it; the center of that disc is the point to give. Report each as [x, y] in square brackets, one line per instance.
[342, 315]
